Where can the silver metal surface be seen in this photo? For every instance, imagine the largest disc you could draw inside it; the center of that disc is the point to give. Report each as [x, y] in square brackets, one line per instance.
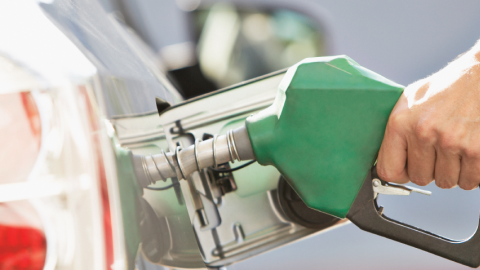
[196, 154]
[145, 168]
[168, 161]
[128, 77]
[215, 165]
[179, 162]
[184, 159]
[156, 166]
[393, 189]
[233, 146]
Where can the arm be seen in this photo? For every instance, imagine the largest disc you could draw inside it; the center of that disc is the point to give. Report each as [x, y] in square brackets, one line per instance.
[433, 132]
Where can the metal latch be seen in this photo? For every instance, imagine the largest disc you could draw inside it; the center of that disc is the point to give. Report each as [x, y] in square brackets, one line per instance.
[382, 187]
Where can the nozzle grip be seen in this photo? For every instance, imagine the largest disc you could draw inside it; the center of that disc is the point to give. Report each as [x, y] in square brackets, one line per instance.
[366, 214]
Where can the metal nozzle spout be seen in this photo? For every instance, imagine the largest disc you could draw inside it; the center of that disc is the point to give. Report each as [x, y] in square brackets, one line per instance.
[235, 145]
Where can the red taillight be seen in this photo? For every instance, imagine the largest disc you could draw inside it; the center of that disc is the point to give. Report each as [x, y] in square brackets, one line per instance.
[19, 136]
[21, 248]
[22, 242]
[53, 158]
[31, 112]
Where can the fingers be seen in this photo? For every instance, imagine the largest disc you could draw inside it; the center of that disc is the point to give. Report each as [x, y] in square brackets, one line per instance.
[447, 169]
[469, 173]
[436, 122]
[424, 141]
[392, 158]
[421, 162]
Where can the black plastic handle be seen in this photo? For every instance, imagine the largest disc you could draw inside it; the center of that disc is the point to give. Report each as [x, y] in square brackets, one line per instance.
[366, 214]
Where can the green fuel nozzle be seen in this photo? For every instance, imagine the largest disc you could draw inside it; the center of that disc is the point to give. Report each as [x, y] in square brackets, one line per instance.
[322, 133]
[324, 129]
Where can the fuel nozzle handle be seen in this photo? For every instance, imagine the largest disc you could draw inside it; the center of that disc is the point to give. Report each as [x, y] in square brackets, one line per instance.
[180, 163]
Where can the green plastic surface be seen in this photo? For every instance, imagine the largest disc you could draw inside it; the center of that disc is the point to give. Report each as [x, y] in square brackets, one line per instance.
[324, 130]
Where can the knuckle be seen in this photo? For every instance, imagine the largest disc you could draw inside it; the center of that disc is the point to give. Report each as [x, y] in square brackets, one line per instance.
[471, 152]
[452, 141]
[425, 132]
[449, 144]
[397, 121]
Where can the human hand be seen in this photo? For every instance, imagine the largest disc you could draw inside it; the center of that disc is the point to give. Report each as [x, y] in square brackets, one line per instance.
[433, 132]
